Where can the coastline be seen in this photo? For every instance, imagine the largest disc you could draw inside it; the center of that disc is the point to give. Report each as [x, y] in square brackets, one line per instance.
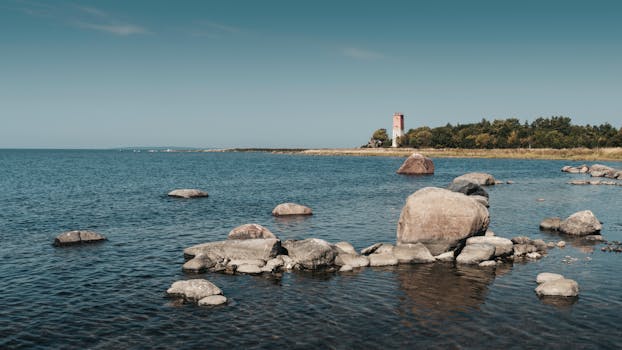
[578, 154]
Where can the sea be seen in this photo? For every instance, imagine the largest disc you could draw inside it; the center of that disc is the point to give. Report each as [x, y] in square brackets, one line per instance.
[113, 295]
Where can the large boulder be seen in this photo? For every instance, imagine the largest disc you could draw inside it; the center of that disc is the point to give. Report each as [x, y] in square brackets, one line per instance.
[550, 224]
[467, 187]
[582, 223]
[250, 231]
[559, 288]
[412, 254]
[417, 164]
[481, 179]
[284, 209]
[440, 219]
[187, 193]
[78, 237]
[503, 246]
[475, 253]
[194, 289]
[236, 249]
[310, 253]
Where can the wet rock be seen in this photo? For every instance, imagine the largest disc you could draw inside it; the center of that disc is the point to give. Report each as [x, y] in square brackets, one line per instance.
[475, 253]
[440, 219]
[213, 300]
[488, 263]
[311, 253]
[194, 289]
[468, 188]
[78, 237]
[581, 224]
[540, 245]
[417, 164]
[547, 277]
[509, 182]
[285, 209]
[345, 247]
[250, 231]
[412, 254]
[187, 193]
[481, 179]
[198, 264]
[237, 249]
[384, 259]
[550, 224]
[353, 260]
[371, 249]
[345, 268]
[524, 249]
[561, 287]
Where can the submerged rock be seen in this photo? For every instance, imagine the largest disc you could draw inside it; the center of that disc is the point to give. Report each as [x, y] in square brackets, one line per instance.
[581, 224]
[194, 289]
[250, 231]
[78, 237]
[187, 193]
[481, 179]
[417, 164]
[550, 224]
[286, 209]
[440, 219]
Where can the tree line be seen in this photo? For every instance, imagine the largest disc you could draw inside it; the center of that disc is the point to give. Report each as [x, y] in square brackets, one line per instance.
[553, 132]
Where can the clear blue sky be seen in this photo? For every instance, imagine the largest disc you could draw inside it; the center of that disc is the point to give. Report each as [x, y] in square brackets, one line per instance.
[296, 73]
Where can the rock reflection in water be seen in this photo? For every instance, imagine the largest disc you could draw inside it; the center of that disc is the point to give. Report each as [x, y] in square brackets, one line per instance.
[438, 291]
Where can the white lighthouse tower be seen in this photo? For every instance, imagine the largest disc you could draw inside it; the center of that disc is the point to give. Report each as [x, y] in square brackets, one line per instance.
[398, 127]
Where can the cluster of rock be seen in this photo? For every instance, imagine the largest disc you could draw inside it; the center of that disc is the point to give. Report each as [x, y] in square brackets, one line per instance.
[594, 182]
[582, 223]
[78, 237]
[555, 285]
[613, 246]
[417, 164]
[596, 170]
[201, 291]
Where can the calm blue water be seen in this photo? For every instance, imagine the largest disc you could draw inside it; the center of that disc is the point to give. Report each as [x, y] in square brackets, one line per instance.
[112, 295]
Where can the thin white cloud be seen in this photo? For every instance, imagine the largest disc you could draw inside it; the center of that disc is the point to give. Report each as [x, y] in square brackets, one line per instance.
[116, 29]
[92, 11]
[211, 30]
[361, 54]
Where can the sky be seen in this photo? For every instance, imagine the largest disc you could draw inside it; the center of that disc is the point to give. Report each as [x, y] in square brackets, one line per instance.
[218, 74]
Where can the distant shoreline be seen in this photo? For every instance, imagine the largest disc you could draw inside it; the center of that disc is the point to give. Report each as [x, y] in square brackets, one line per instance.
[584, 154]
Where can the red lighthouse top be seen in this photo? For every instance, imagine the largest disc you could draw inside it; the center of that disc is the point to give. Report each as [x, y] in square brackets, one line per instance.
[398, 121]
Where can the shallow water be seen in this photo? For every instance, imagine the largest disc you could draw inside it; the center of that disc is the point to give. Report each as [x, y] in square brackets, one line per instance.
[111, 295]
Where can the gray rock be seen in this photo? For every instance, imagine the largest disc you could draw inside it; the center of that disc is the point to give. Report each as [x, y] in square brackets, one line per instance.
[288, 263]
[412, 254]
[345, 247]
[503, 246]
[524, 249]
[198, 264]
[384, 259]
[550, 224]
[239, 262]
[481, 179]
[187, 193]
[561, 287]
[384, 248]
[481, 200]
[547, 277]
[249, 269]
[237, 249]
[353, 260]
[446, 257]
[285, 209]
[533, 255]
[540, 245]
[595, 238]
[311, 253]
[371, 249]
[488, 263]
[417, 164]
[250, 231]
[561, 244]
[440, 219]
[273, 264]
[213, 300]
[550, 245]
[78, 237]
[475, 253]
[194, 289]
[345, 268]
[581, 224]
[521, 240]
[468, 188]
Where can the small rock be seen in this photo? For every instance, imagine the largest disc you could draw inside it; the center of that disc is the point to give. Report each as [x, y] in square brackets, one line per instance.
[188, 193]
[481, 179]
[551, 245]
[384, 248]
[561, 287]
[488, 263]
[503, 246]
[521, 240]
[547, 277]
[561, 244]
[412, 254]
[345, 268]
[250, 231]
[524, 249]
[475, 253]
[345, 247]
[198, 264]
[213, 300]
[353, 260]
[468, 188]
[239, 262]
[509, 182]
[581, 224]
[550, 224]
[78, 237]
[310, 253]
[540, 200]
[194, 289]
[534, 255]
[446, 257]
[597, 238]
[291, 209]
[489, 233]
[249, 269]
